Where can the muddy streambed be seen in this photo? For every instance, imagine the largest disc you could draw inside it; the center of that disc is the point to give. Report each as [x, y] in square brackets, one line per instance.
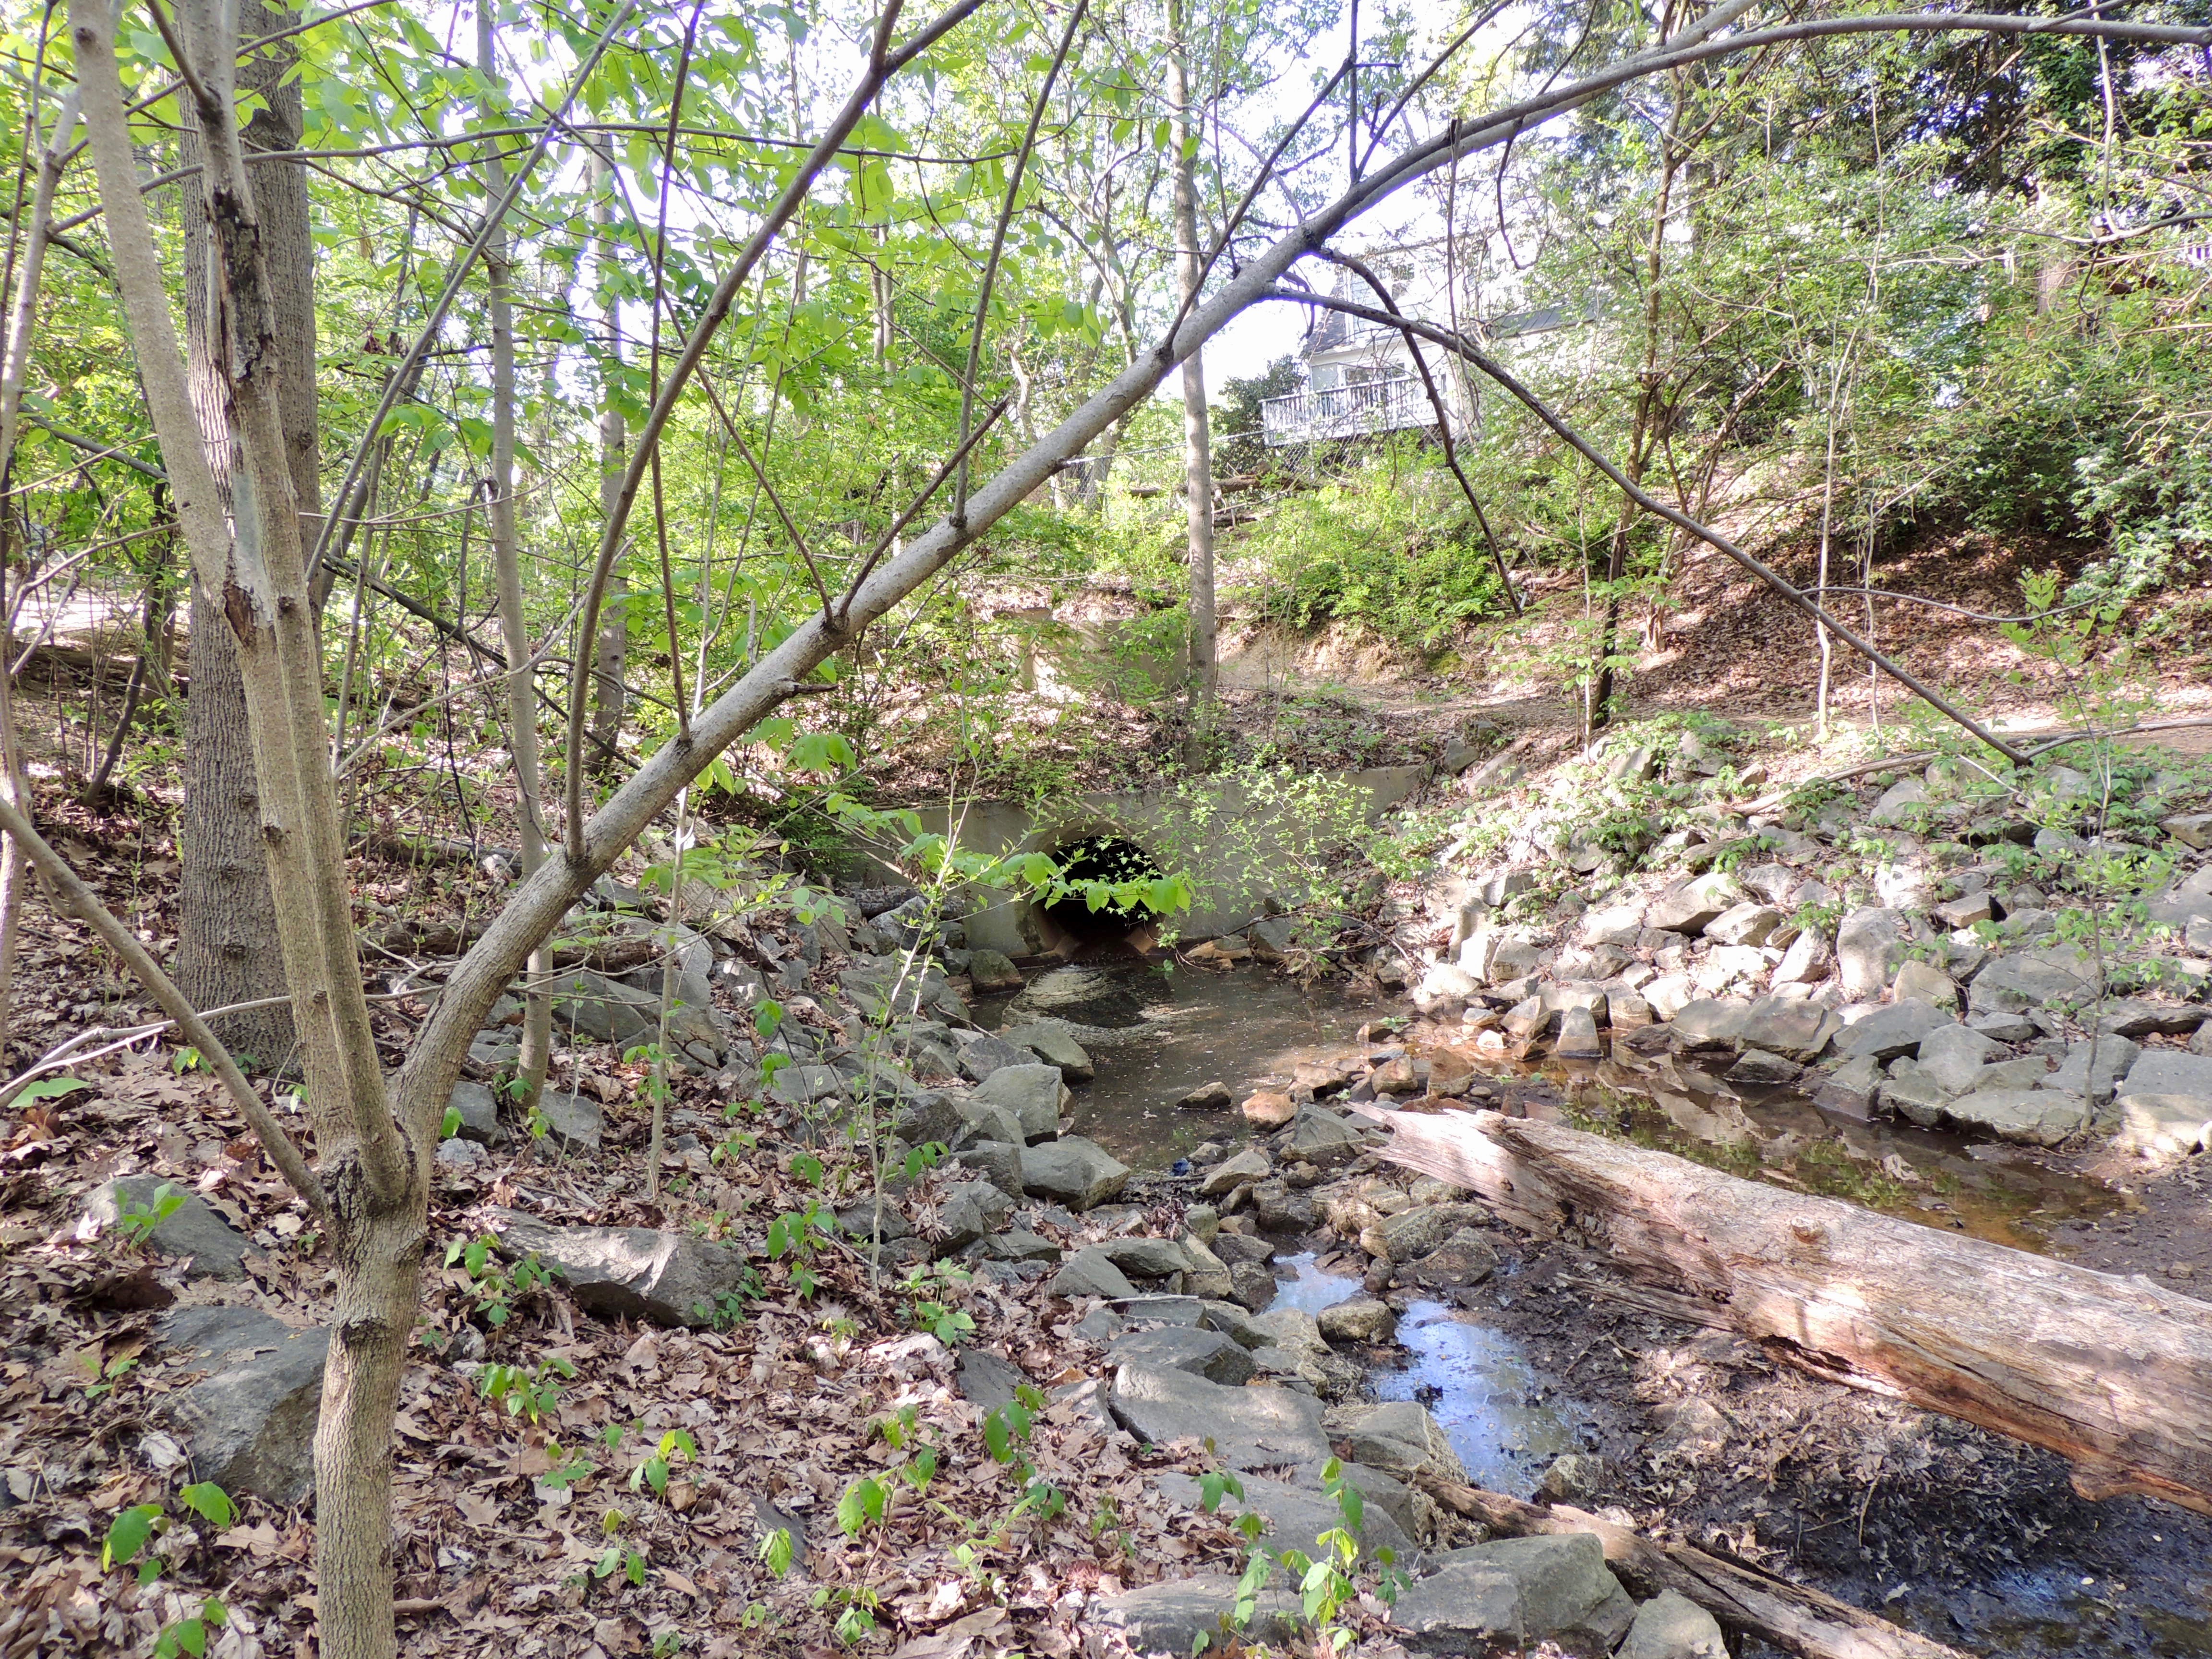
[1975, 1540]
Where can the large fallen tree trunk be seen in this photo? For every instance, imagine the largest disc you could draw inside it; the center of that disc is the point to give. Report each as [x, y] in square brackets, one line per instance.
[2113, 1374]
[1795, 1618]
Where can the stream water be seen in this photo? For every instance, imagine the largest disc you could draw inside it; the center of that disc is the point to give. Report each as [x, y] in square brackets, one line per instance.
[1158, 1032]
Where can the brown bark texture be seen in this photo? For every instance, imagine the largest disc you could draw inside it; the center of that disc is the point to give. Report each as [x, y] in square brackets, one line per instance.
[2113, 1374]
[227, 944]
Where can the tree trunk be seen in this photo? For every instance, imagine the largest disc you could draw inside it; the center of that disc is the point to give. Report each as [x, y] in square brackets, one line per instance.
[227, 944]
[1197, 432]
[610, 661]
[2113, 1374]
[506, 573]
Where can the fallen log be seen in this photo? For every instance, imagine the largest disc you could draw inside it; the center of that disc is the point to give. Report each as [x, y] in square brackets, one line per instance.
[2113, 1374]
[1795, 1618]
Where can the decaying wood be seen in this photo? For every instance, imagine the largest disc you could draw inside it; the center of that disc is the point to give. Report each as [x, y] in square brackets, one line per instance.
[2113, 1374]
[1795, 1618]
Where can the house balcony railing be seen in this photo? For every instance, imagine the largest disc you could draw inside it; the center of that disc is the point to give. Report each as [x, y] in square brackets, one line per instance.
[1346, 411]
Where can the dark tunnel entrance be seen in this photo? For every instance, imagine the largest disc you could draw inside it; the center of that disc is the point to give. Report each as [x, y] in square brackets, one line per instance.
[1072, 924]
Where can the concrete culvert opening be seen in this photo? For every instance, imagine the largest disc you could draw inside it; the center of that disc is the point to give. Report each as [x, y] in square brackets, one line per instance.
[1071, 924]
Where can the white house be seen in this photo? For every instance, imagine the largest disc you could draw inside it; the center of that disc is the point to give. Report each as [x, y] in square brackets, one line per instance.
[1360, 380]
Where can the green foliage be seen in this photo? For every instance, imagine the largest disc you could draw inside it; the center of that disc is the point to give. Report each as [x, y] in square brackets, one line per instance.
[530, 1394]
[493, 1286]
[654, 1472]
[137, 1221]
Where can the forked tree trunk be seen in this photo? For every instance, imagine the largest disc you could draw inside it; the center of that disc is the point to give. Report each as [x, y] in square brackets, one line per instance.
[227, 944]
[2113, 1374]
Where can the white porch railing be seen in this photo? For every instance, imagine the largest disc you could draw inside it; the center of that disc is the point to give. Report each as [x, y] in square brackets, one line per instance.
[1346, 411]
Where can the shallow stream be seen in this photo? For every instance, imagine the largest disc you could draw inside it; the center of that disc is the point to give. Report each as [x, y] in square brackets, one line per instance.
[1161, 1031]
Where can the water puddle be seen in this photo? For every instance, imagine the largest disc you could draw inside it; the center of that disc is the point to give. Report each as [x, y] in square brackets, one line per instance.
[2065, 1613]
[1504, 1418]
[1185, 1026]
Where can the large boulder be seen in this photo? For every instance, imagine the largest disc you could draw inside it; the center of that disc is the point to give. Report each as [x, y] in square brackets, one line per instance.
[1889, 1032]
[1465, 1258]
[1170, 1617]
[249, 1424]
[1296, 1513]
[1670, 1626]
[1321, 1138]
[982, 1053]
[1248, 1167]
[217, 1250]
[1690, 906]
[1248, 1428]
[1033, 1093]
[597, 1006]
[1147, 1257]
[1871, 947]
[1210, 1354]
[2062, 974]
[2164, 1125]
[1053, 1042]
[1514, 1594]
[1079, 1173]
[1956, 1055]
[1402, 1438]
[2169, 1072]
[632, 1273]
[571, 1119]
[2113, 1058]
[477, 1111]
[1091, 1271]
[2038, 1117]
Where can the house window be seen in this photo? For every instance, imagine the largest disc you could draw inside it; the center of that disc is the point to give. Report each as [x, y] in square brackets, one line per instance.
[1326, 377]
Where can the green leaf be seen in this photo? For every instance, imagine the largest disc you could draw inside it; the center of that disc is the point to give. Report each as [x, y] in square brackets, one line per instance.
[210, 1502]
[127, 1534]
[49, 1088]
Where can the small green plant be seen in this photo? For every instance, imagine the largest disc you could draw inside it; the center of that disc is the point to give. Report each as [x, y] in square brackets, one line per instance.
[530, 1395]
[929, 1292]
[654, 1471]
[1005, 1436]
[778, 1550]
[450, 1125]
[112, 1374]
[667, 1643]
[797, 1234]
[570, 1469]
[137, 1221]
[494, 1286]
[190, 1635]
[134, 1530]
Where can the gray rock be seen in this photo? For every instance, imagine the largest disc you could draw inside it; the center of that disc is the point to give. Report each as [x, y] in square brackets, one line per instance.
[1054, 1043]
[1091, 1271]
[596, 1006]
[1402, 1438]
[1206, 1097]
[1744, 924]
[1033, 1093]
[1250, 1284]
[802, 1086]
[1207, 1275]
[1465, 1258]
[2164, 1125]
[1578, 1038]
[1805, 960]
[1296, 1513]
[1292, 1330]
[1871, 947]
[2025, 1072]
[2169, 1072]
[1516, 1593]
[986, 1121]
[1572, 1478]
[982, 1053]
[2189, 828]
[1797, 1031]
[1015, 1244]
[971, 1210]
[1210, 1354]
[1757, 1067]
[1889, 1032]
[1670, 1626]
[998, 1161]
[1913, 1093]
[1689, 907]
[1321, 1138]
[2038, 1117]
[631, 1272]
[249, 1424]
[1899, 802]
[1966, 910]
[478, 1109]
[1920, 981]
[2005, 1027]
[1850, 1088]
[1362, 1319]
[1956, 1055]
[1248, 1166]
[2033, 979]
[2135, 1018]
[1147, 1258]
[459, 1155]
[1409, 1234]
[988, 1380]
[1248, 1428]
[216, 1249]
[992, 970]
[2185, 901]
[1171, 1616]
[1079, 1173]
[2114, 1056]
